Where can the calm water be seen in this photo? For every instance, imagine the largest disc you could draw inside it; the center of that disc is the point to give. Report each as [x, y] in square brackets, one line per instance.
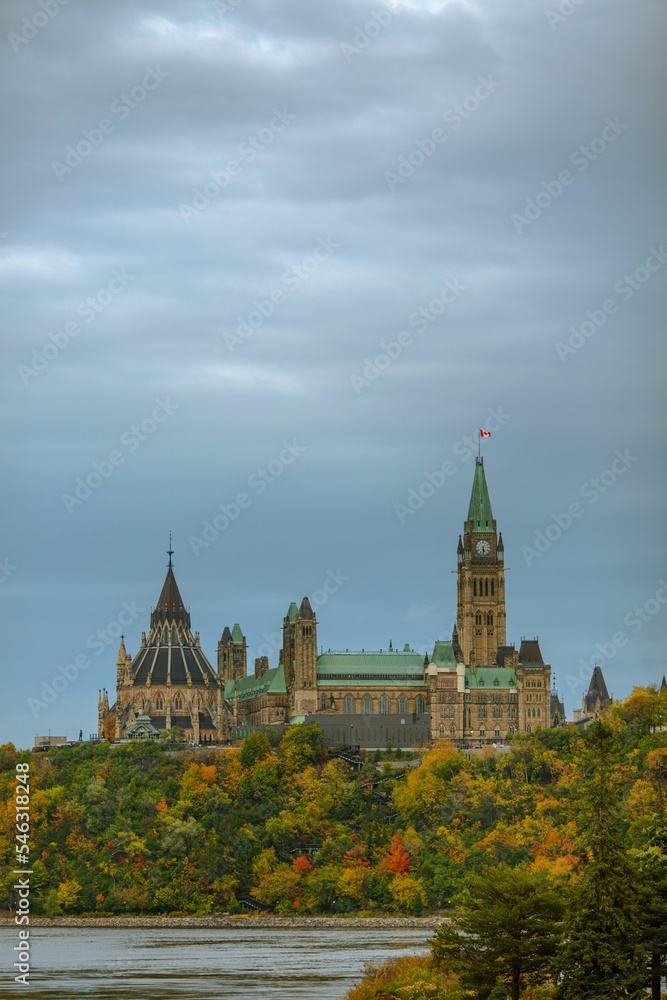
[172, 964]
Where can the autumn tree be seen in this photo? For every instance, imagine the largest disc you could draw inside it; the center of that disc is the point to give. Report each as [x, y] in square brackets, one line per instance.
[299, 747]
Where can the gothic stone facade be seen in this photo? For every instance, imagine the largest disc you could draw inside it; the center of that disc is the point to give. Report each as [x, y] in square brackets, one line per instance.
[475, 688]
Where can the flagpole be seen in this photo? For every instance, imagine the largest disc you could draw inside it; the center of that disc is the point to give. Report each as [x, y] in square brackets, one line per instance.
[479, 445]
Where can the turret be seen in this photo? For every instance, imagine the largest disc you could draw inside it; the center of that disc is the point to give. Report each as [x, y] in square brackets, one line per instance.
[299, 657]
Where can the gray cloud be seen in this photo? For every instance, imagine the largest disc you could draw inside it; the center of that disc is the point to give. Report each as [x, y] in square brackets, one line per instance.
[323, 176]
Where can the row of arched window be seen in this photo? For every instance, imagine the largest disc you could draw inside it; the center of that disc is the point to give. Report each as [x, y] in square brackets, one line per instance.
[487, 588]
[374, 706]
[176, 702]
[488, 618]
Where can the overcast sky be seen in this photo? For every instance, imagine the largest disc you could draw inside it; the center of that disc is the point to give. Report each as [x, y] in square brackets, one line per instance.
[289, 255]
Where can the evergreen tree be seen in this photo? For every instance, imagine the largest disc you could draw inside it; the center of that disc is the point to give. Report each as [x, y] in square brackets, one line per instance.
[505, 933]
[600, 958]
[653, 869]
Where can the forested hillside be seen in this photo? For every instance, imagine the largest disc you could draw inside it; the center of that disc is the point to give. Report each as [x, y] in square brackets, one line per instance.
[147, 828]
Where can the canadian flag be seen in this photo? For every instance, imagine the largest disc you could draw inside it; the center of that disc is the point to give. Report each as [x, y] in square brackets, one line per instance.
[484, 434]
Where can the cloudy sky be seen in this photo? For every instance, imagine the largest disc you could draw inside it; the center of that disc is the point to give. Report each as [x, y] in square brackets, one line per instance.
[267, 265]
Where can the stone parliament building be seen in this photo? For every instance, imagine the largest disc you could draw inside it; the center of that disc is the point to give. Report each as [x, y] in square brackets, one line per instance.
[474, 688]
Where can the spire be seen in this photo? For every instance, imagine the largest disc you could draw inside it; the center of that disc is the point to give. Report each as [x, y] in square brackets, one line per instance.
[237, 634]
[479, 511]
[170, 607]
[597, 691]
[305, 610]
[170, 550]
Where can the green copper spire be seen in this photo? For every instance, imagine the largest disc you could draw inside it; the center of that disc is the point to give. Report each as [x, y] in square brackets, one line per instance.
[237, 634]
[479, 511]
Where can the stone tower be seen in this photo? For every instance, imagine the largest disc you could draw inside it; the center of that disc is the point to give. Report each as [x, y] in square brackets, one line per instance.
[232, 654]
[299, 658]
[480, 617]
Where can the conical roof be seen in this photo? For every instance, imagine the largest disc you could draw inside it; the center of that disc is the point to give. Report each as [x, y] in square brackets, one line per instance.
[305, 610]
[170, 607]
[170, 653]
[479, 510]
[597, 691]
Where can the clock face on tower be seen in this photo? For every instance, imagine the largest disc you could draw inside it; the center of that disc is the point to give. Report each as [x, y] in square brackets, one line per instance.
[483, 548]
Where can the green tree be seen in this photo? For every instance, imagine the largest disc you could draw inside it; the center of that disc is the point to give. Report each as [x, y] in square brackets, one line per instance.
[652, 860]
[504, 934]
[255, 747]
[600, 958]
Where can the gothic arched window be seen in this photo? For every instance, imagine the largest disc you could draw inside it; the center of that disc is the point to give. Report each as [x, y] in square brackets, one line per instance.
[474, 588]
[178, 702]
[402, 705]
[159, 703]
[323, 702]
[493, 588]
[366, 705]
[489, 619]
[348, 704]
[478, 619]
[385, 706]
[419, 704]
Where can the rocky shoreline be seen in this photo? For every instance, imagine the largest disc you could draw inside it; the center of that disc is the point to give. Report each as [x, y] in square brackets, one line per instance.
[228, 922]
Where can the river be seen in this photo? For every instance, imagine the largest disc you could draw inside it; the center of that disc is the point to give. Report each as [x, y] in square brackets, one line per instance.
[207, 964]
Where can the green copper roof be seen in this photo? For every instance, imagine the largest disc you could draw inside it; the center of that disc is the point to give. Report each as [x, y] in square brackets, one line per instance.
[271, 682]
[479, 511]
[237, 634]
[484, 679]
[371, 668]
[292, 612]
[443, 654]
